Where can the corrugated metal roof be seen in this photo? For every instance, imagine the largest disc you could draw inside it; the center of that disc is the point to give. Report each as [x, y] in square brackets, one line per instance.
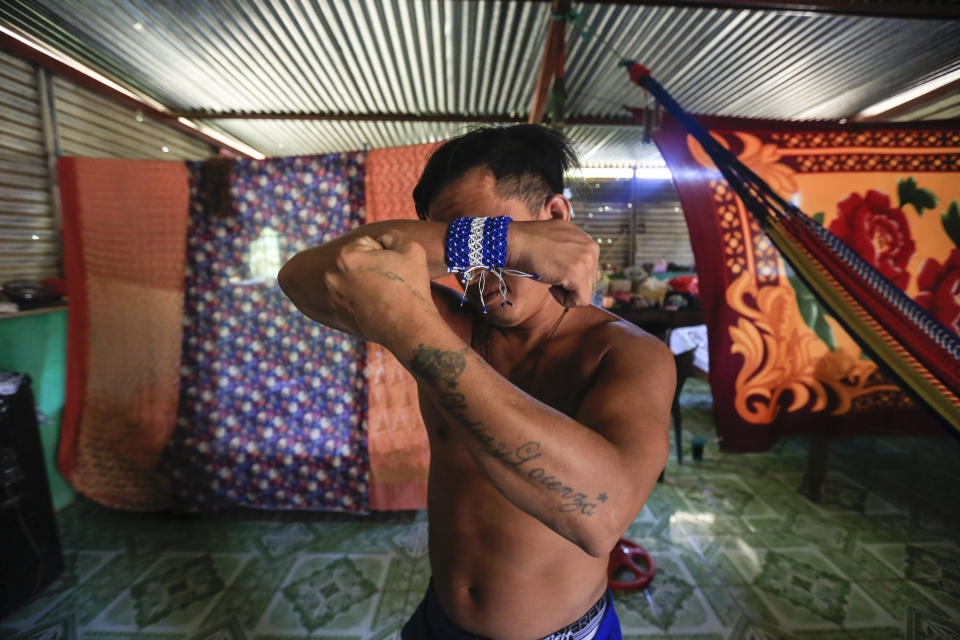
[480, 57]
[789, 66]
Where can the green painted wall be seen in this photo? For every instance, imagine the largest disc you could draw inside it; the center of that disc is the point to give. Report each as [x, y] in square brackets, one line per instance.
[37, 344]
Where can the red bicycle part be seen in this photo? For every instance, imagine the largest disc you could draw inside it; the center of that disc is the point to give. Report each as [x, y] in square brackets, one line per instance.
[623, 556]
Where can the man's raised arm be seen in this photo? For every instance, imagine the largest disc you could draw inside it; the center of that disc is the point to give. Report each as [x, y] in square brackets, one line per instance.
[303, 278]
[556, 250]
[585, 478]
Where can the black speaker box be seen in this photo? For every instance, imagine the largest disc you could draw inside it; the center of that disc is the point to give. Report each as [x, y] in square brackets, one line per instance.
[30, 553]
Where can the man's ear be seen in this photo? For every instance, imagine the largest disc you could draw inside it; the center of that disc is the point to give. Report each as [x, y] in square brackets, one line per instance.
[557, 207]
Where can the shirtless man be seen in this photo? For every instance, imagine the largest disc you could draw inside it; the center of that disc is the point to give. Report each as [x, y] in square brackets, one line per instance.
[547, 419]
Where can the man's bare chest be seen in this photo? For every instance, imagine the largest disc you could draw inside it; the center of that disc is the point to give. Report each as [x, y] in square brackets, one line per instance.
[558, 382]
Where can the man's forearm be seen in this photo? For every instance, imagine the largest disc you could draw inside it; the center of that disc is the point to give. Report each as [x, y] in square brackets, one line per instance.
[547, 464]
[302, 278]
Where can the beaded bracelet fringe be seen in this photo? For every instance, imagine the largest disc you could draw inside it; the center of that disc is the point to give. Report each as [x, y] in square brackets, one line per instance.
[479, 246]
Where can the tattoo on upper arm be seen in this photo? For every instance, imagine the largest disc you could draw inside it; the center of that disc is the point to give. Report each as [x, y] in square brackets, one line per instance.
[520, 459]
[436, 366]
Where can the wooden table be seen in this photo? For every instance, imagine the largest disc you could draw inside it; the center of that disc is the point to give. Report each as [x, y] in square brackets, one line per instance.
[658, 321]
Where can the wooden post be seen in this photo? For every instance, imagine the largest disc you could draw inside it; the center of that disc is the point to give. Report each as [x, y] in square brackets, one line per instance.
[552, 63]
[816, 468]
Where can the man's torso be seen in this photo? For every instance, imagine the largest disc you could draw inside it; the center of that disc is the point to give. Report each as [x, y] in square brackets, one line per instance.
[498, 571]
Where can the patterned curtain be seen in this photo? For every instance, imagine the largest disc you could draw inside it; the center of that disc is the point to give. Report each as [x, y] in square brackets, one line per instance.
[399, 451]
[779, 364]
[272, 409]
[124, 224]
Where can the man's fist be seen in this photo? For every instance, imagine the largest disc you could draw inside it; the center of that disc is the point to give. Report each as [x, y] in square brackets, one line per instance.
[381, 286]
[560, 253]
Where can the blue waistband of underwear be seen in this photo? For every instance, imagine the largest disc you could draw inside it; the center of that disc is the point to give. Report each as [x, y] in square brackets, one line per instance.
[583, 629]
[586, 627]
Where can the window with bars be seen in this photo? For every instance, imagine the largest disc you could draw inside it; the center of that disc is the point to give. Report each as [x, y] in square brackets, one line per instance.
[634, 221]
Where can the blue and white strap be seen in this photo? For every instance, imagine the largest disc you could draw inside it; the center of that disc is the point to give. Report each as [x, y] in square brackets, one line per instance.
[478, 246]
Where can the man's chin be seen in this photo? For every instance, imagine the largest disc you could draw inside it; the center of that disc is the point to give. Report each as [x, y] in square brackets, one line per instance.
[497, 311]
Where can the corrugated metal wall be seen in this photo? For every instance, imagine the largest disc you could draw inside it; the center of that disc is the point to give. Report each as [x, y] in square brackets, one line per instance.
[82, 123]
[28, 238]
[93, 126]
[633, 222]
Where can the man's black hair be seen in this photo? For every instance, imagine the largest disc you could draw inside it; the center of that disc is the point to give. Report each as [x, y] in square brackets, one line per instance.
[527, 160]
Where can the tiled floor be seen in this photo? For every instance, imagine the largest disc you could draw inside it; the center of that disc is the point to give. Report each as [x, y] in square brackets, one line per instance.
[740, 554]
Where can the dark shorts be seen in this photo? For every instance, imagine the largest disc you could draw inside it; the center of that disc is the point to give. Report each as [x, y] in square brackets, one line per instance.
[429, 622]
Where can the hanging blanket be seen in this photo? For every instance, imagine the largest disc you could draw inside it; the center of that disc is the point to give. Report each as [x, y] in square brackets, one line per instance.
[399, 451]
[272, 404]
[779, 364]
[124, 228]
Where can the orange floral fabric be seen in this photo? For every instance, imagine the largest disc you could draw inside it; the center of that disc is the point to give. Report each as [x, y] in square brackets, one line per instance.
[124, 230]
[779, 364]
[396, 438]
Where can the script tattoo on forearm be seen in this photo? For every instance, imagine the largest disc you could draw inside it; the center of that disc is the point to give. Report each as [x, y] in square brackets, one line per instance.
[436, 366]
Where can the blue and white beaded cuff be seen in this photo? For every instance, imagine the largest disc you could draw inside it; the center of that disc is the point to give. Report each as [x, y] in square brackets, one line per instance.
[479, 245]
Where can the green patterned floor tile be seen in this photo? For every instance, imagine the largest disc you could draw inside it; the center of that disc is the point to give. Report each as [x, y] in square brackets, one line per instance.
[942, 591]
[120, 635]
[700, 523]
[859, 564]
[284, 540]
[273, 636]
[724, 603]
[821, 531]
[822, 634]
[898, 597]
[841, 494]
[722, 494]
[740, 565]
[880, 527]
[676, 636]
[924, 626]
[166, 603]
[120, 570]
[242, 607]
[57, 626]
[260, 573]
[741, 553]
[333, 537]
[334, 593]
[215, 567]
[876, 633]
[921, 560]
[664, 500]
[803, 588]
[720, 566]
[670, 604]
[748, 628]
[392, 611]
[369, 537]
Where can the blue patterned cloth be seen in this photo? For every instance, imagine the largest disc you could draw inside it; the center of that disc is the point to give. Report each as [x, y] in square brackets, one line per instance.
[272, 405]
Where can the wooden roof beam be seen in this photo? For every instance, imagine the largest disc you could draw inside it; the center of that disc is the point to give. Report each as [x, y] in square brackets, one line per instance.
[911, 10]
[552, 63]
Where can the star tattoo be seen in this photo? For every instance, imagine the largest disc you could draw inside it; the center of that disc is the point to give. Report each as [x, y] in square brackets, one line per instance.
[602, 497]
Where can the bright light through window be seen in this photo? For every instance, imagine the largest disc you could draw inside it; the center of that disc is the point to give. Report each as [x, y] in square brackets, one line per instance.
[265, 256]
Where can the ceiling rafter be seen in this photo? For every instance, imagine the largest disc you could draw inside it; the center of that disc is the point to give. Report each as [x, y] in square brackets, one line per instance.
[836, 7]
[553, 61]
[395, 117]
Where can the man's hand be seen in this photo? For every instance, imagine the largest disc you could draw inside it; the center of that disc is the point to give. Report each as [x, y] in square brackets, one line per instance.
[560, 253]
[381, 286]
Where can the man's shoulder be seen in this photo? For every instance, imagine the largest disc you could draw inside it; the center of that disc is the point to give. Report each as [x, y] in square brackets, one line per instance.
[616, 336]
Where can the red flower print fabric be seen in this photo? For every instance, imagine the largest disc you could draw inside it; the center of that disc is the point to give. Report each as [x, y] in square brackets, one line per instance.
[878, 232]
